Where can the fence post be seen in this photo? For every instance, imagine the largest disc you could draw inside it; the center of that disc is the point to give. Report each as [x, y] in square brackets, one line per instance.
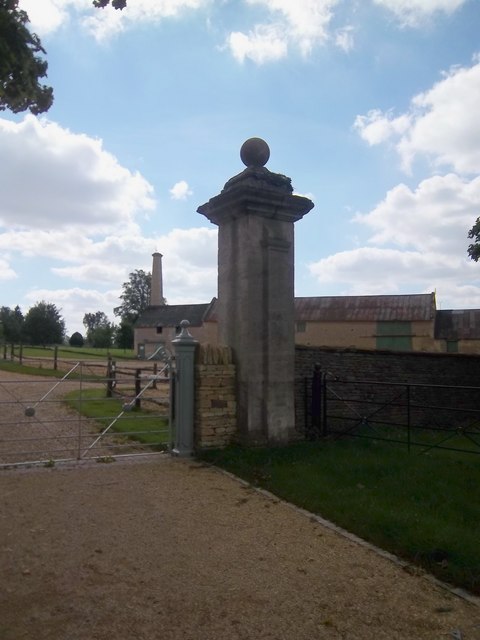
[155, 371]
[55, 358]
[5, 351]
[138, 388]
[184, 345]
[12, 352]
[20, 357]
[109, 377]
[316, 408]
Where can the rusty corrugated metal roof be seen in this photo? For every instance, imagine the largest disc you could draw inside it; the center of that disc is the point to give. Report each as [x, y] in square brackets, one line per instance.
[357, 308]
[458, 324]
[384, 308]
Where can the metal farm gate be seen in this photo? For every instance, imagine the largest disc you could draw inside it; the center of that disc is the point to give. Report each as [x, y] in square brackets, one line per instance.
[95, 411]
[421, 417]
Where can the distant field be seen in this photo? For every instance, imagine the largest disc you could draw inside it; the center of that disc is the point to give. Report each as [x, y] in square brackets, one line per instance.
[70, 353]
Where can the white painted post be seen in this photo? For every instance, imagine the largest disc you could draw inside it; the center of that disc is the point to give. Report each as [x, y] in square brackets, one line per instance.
[184, 345]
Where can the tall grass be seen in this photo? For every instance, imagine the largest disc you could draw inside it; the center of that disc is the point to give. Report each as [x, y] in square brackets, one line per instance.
[423, 508]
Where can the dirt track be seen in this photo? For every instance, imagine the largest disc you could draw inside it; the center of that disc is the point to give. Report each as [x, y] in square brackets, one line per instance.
[169, 549]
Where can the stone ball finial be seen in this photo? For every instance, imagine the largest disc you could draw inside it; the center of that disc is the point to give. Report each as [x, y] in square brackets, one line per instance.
[255, 152]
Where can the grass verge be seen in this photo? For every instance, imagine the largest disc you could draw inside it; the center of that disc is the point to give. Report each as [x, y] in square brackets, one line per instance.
[423, 508]
[137, 424]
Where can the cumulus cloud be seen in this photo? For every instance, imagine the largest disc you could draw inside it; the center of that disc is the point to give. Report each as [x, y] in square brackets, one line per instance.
[265, 43]
[6, 271]
[302, 24]
[413, 12]
[180, 190]
[53, 178]
[441, 123]
[48, 15]
[344, 38]
[100, 268]
[434, 217]
[418, 244]
[74, 303]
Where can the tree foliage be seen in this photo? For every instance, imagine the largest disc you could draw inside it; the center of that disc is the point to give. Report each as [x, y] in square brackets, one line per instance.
[21, 66]
[76, 340]
[100, 330]
[474, 248]
[116, 4]
[21, 63]
[12, 321]
[135, 296]
[44, 325]
[124, 336]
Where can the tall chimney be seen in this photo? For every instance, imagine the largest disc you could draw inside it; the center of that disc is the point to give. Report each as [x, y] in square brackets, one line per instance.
[156, 294]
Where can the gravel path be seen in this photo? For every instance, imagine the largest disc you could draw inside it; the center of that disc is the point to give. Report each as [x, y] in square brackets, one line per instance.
[170, 549]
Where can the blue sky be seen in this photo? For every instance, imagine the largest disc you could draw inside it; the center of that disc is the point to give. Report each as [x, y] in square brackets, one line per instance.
[370, 106]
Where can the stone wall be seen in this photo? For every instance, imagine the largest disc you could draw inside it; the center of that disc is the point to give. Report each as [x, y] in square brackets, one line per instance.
[448, 369]
[215, 400]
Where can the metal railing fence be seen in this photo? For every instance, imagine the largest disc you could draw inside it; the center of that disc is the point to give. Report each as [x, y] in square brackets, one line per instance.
[419, 416]
[83, 415]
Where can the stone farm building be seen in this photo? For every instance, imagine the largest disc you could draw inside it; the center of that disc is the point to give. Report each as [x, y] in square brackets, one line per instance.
[377, 322]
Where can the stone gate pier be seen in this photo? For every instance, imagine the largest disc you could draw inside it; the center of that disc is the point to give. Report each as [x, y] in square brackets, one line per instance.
[255, 214]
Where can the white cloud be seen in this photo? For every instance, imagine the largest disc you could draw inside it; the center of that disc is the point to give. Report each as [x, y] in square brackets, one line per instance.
[266, 43]
[376, 127]
[418, 244]
[434, 217]
[189, 270]
[344, 38]
[75, 303]
[53, 178]
[180, 190]
[302, 24]
[441, 124]
[48, 15]
[413, 12]
[6, 271]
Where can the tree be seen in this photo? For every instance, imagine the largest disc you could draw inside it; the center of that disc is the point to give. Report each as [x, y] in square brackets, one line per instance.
[474, 248]
[76, 340]
[20, 65]
[99, 329]
[44, 325]
[124, 336]
[135, 296]
[12, 322]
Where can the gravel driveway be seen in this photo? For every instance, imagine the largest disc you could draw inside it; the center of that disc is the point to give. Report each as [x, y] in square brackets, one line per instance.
[170, 549]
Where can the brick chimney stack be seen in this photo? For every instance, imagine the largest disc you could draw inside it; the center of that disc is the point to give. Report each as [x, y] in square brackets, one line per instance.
[156, 294]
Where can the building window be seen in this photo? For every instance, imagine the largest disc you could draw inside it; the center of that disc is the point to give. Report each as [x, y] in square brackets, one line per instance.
[301, 327]
[159, 329]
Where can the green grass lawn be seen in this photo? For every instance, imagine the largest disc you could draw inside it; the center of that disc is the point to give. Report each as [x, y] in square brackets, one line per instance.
[136, 424]
[423, 508]
[65, 352]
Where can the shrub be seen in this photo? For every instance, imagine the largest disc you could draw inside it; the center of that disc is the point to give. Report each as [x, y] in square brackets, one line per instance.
[76, 340]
